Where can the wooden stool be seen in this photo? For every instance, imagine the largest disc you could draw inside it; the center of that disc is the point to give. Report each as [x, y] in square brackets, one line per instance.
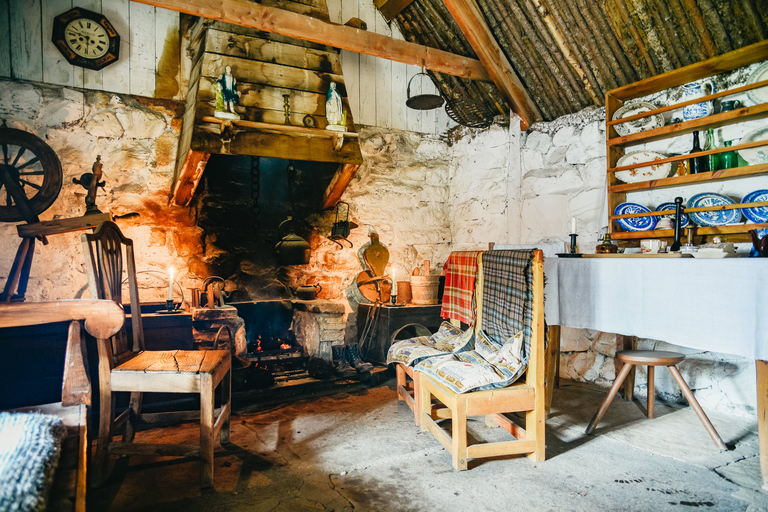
[651, 359]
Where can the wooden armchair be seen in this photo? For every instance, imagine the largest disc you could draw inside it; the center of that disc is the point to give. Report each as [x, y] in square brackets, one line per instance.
[126, 366]
[102, 319]
[526, 396]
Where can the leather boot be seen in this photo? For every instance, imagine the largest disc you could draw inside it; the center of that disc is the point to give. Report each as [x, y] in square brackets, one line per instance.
[353, 354]
[341, 363]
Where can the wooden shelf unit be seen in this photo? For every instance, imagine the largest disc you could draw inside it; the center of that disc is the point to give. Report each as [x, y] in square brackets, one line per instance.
[616, 145]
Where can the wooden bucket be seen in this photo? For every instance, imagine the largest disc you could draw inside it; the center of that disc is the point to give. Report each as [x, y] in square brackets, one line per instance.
[404, 291]
[424, 289]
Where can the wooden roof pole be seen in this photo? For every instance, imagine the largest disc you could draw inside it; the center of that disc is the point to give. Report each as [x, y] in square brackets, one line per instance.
[470, 20]
[271, 19]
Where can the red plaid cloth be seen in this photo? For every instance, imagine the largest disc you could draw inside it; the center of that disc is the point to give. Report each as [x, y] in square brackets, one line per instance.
[460, 273]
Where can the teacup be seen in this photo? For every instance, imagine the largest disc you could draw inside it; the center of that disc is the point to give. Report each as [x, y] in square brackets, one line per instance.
[665, 223]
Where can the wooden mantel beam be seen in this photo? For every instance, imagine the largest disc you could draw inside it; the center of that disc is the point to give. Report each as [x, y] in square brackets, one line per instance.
[270, 19]
[472, 23]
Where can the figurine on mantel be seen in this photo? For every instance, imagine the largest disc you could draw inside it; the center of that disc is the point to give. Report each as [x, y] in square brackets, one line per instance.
[226, 96]
[334, 110]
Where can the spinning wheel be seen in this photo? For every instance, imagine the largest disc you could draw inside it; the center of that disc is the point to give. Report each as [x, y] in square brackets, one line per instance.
[30, 176]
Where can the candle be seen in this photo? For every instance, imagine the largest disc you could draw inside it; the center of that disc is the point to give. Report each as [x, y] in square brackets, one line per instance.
[573, 225]
[394, 281]
[170, 285]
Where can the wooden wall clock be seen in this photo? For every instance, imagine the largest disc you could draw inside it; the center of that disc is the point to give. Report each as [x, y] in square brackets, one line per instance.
[86, 38]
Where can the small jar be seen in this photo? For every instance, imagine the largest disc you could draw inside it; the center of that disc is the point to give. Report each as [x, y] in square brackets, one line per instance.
[607, 246]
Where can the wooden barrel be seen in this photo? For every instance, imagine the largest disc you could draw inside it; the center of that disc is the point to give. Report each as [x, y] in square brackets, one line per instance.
[424, 289]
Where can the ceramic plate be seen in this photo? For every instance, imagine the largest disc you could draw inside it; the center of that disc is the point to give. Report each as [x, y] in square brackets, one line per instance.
[713, 218]
[757, 214]
[758, 155]
[759, 75]
[671, 206]
[638, 125]
[634, 223]
[651, 172]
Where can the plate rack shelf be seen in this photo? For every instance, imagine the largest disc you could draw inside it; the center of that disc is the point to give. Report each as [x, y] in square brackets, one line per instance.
[616, 145]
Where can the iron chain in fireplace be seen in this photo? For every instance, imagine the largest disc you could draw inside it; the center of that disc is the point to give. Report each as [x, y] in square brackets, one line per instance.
[255, 192]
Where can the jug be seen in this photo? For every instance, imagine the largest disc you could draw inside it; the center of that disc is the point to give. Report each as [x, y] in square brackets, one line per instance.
[760, 244]
[308, 292]
[695, 90]
[726, 106]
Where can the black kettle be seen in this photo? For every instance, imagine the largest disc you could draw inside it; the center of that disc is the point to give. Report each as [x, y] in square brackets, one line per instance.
[291, 249]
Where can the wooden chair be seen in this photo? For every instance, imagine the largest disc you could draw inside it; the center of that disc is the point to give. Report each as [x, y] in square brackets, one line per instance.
[651, 359]
[102, 319]
[125, 366]
[526, 396]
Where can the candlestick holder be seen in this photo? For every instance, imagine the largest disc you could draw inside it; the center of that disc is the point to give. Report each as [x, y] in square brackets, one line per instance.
[573, 253]
[393, 299]
[170, 308]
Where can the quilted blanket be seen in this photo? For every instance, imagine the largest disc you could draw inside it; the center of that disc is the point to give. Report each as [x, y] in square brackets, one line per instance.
[458, 296]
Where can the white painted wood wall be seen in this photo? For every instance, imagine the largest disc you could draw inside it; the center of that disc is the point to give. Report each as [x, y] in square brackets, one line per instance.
[376, 87]
[27, 53]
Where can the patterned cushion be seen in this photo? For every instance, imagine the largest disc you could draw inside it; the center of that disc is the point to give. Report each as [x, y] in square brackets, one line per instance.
[29, 452]
[489, 366]
[447, 339]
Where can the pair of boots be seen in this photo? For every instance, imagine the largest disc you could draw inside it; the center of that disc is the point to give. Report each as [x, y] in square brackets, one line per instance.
[347, 362]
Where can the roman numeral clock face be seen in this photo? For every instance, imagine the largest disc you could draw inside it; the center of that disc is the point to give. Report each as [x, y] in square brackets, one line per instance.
[86, 38]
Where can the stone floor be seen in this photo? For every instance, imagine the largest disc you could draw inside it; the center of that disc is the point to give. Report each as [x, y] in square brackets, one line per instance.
[362, 451]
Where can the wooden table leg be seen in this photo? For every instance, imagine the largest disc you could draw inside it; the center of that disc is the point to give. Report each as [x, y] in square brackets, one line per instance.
[551, 362]
[626, 343]
[762, 412]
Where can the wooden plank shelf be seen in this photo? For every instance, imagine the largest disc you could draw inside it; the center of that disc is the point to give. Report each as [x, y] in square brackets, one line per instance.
[719, 208]
[286, 129]
[722, 174]
[670, 233]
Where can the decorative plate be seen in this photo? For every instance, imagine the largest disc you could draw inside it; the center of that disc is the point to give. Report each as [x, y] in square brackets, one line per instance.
[647, 173]
[634, 223]
[671, 206]
[638, 125]
[758, 155]
[757, 214]
[760, 74]
[713, 218]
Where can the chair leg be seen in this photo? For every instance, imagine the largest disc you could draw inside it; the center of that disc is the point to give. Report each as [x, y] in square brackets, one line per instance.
[425, 400]
[417, 399]
[206, 429]
[651, 390]
[459, 435]
[226, 399]
[400, 379]
[133, 419]
[609, 397]
[697, 408]
[106, 417]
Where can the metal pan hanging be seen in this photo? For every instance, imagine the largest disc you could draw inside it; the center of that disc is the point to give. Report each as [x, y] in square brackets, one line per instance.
[423, 101]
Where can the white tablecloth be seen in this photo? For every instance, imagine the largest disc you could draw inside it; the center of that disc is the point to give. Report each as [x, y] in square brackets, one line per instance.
[720, 305]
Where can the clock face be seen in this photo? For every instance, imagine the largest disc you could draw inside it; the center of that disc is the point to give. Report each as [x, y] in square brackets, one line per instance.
[86, 38]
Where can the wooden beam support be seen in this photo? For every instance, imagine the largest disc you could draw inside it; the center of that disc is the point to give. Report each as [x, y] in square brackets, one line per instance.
[391, 8]
[189, 177]
[339, 184]
[270, 19]
[470, 20]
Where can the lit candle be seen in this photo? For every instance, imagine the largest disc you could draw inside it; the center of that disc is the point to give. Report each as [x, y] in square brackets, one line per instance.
[394, 281]
[573, 225]
[170, 285]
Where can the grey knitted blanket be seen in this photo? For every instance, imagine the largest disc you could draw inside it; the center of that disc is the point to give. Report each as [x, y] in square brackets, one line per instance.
[29, 452]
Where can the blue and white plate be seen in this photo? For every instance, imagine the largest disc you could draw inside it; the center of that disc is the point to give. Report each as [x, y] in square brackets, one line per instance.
[713, 218]
[757, 214]
[634, 223]
[671, 206]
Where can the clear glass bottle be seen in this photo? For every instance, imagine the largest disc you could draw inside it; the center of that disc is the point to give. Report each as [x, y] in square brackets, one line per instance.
[712, 160]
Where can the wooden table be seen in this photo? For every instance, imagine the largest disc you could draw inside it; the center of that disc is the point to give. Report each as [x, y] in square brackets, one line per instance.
[706, 304]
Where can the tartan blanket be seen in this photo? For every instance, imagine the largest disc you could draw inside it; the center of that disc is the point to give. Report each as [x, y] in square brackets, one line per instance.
[508, 296]
[458, 296]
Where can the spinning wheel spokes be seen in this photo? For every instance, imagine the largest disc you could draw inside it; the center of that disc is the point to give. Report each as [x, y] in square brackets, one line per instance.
[30, 176]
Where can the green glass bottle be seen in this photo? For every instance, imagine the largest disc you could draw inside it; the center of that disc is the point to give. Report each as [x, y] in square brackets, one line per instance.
[727, 160]
[712, 160]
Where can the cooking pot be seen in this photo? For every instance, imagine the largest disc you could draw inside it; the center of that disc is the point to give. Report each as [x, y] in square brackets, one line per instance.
[307, 292]
[291, 249]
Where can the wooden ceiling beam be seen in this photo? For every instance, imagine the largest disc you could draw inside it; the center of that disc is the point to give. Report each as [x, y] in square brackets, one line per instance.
[470, 20]
[271, 19]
